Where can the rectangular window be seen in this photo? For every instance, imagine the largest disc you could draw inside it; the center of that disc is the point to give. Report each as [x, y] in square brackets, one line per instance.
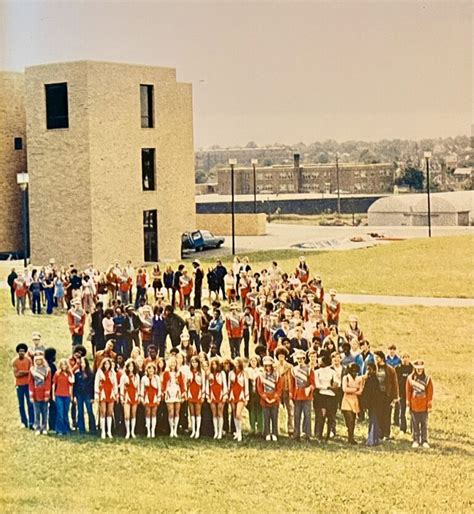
[18, 142]
[146, 105]
[148, 169]
[150, 236]
[57, 115]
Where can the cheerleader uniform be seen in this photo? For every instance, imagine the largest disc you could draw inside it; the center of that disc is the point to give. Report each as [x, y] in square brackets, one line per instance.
[173, 389]
[150, 393]
[195, 394]
[238, 392]
[129, 393]
[105, 390]
[216, 392]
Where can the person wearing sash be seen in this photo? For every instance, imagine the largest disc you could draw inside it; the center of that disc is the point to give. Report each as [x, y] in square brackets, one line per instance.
[419, 393]
[301, 391]
[269, 387]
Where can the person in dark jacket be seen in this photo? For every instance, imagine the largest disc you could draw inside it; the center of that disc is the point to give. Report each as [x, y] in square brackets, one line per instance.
[11, 284]
[174, 325]
[83, 391]
[403, 372]
[98, 337]
[158, 330]
[198, 278]
[220, 272]
[131, 326]
[372, 400]
[388, 382]
[50, 358]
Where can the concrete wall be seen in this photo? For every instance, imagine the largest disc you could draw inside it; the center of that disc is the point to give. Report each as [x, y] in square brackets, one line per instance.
[389, 219]
[94, 166]
[12, 125]
[221, 224]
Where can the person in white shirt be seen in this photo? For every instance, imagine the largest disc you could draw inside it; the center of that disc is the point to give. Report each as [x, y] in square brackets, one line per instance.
[325, 380]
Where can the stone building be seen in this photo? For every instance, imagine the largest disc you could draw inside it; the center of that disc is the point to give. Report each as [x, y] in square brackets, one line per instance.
[309, 178]
[111, 162]
[12, 158]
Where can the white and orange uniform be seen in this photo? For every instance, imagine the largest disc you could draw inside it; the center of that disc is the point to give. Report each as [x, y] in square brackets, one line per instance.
[150, 390]
[130, 389]
[173, 387]
[216, 387]
[196, 387]
[238, 387]
[105, 386]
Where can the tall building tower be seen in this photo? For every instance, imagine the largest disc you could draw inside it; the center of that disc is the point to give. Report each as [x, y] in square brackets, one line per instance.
[111, 162]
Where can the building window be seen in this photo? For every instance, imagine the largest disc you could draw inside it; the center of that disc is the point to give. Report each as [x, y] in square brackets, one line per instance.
[150, 236]
[57, 115]
[18, 142]
[148, 169]
[146, 105]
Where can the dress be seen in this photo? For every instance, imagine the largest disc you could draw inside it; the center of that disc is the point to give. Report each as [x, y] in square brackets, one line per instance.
[238, 387]
[350, 400]
[217, 387]
[105, 386]
[150, 391]
[129, 389]
[173, 386]
[196, 387]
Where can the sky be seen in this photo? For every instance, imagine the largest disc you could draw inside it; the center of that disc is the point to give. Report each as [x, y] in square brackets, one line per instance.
[274, 71]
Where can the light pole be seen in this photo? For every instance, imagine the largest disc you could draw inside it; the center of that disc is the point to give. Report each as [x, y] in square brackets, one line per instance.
[232, 163]
[22, 180]
[254, 163]
[427, 160]
[338, 187]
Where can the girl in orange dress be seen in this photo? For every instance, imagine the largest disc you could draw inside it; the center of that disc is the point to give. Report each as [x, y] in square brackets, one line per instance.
[238, 394]
[174, 394]
[196, 383]
[106, 392]
[150, 395]
[216, 386]
[129, 394]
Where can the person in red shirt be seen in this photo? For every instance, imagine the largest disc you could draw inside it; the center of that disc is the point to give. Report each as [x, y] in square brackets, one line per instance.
[301, 391]
[150, 395]
[39, 385]
[106, 391]
[234, 325]
[216, 393]
[21, 290]
[21, 370]
[195, 394]
[76, 319]
[239, 394]
[419, 393]
[129, 396]
[269, 388]
[333, 309]
[63, 381]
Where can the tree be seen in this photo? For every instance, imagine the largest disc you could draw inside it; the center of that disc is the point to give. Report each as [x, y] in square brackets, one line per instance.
[323, 158]
[251, 144]
[412, 178]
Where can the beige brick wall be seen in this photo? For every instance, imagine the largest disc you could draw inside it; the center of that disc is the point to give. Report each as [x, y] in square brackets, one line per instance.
[221, 224]
[12, 124]
[109, 113]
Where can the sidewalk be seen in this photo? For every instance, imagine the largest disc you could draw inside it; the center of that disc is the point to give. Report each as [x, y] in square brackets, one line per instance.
[424, 301]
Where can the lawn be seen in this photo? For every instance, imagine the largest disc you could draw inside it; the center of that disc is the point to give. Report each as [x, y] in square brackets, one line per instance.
[441, 267]
[84, 474]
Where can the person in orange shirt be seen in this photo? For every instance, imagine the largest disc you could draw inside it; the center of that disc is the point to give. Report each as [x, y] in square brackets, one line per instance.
[195, 393]
[301, 391]
[63, 381]
[419, 390]
[21, 369]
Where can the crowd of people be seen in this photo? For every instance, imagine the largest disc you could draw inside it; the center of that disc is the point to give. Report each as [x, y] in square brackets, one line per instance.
[159, 362]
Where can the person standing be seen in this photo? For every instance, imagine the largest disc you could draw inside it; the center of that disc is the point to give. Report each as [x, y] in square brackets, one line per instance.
[106, 392]
[198, 279]
[196, 391]
[176, 285]
[11, 284]
[220, 272]
[62, 391]
[216, 394]
[193, 323]
[403, 372]
[83, 390]
[388, 383]
[39, 385]
[174, 325]
[238, 394]
[76, 318]
[333, 309]
[97, 328]
[234, 325]
[269, 387]
[21, 370]
[352, 387]
[419, 393]
[21, 292]
[372, 400]
[132, 325]
[174, 393]
[283, 367]
[301, 390]
[325, 384]
[150, 395]
[35, 290]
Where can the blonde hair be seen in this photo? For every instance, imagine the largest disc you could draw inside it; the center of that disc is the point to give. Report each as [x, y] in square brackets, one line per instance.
[63, 362]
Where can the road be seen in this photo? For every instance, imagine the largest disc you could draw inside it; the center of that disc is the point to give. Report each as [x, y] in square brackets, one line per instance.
[424, 301]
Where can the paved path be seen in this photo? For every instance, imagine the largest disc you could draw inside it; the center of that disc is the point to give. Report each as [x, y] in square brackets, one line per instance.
[425, 301]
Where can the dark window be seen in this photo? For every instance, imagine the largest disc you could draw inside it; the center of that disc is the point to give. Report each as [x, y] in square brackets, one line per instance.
[146, 105]
[57, 115]
[148, 169]
[18, 142]
[150, 236]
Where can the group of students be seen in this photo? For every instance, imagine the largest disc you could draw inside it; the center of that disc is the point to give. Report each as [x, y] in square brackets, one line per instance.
[301, 362]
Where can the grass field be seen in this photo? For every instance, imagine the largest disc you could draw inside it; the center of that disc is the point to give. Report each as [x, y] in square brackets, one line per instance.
[85, 474]
[441, 267]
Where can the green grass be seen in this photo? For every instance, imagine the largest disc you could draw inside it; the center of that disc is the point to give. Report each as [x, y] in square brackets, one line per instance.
[441, 267]
[84, 474]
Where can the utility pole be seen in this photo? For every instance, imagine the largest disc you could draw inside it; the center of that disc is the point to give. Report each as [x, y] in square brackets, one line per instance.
[232, 163]
[338, 186]
[428, 191]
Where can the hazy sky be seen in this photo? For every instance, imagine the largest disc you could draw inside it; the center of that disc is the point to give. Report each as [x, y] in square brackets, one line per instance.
[274, 71]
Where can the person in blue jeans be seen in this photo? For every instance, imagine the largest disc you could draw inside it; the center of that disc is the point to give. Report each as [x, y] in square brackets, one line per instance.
[84, 395]
[50, 356]
[35, 290]
[121, 342]
[48, 287]
[21, 370]
[372, 400]
[62, 391]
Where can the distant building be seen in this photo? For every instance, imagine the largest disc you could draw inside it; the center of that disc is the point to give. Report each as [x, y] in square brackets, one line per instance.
[309, 178]
[447, 209]
[110, 162]
[207, 188]
[463, 174]
[12, 158]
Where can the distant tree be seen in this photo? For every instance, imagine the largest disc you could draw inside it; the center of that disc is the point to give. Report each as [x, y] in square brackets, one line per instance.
[412, 178]
[201, 177]
[251, 144]
[323, 158]
[267, 162]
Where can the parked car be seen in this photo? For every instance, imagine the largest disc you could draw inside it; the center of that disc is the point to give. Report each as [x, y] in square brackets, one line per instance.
[200, 240]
